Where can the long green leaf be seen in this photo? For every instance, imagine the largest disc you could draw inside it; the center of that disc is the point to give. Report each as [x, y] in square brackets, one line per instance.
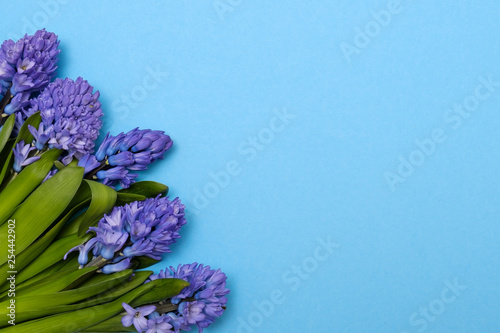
[56, 282]
[41, 208]
[165, 288]
[51, 255]
[145, 261]
[72, 227]
[108, 296]
[99, 196]
[7, 130]
[113, 324]
[33, 251]
[7, 149]
[149, 189]
[125, 198]
[32, 307]
[103, 200]
[48, 271]
[80, 319]
[27, 180]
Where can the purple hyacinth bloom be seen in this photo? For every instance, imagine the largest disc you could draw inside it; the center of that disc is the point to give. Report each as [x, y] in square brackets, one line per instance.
[124, 158]
[158, 324]
[191, 312]
[89, 163]
[71, 113]
[155, 227]
[116, 173]
[109, 241]
[41, 136]
[141, 228]
[140, 248]
[27, 66]
[21, 152]
[118, 267]
[137, 316]
[17, 102]
[206, 286]
[83, 256]
[134, 150]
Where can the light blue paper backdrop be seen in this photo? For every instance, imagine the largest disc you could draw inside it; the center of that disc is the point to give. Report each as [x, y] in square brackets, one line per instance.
[339, 159]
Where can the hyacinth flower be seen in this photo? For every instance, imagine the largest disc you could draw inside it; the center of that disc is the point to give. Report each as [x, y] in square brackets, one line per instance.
[70, 113]
[26, 67]
[141, 228]
[198, 305]
[118, 156]
[136, 317]
[21, 156]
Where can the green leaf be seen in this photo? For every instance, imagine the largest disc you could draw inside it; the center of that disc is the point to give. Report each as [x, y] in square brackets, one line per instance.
[138, 279]
[25, 135]
[7, 149]
[27, 180]
[48, 271]
[113, 324]
[103, 200]
[33, 251]
[56, 282]
[148, 189]
[7, 130]
[164, 289]
[81, 199]
[145, 261]
[41, 208]
[51, 255]
[59, 165]
[79, 319]
[108, 296]
[31, 307]
[125, 198]
[100, 195]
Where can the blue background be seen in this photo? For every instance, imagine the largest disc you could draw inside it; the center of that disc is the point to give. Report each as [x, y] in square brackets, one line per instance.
[353, 115]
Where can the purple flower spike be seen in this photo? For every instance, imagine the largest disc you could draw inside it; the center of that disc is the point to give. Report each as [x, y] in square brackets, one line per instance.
[21, 153]
[134, 150]
[141, 228]
[70, 114]
[137, 316]
[27, 66]
[158, 324]
[207, 287]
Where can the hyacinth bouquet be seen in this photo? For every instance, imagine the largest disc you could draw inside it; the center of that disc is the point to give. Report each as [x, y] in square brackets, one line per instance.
[77, 227]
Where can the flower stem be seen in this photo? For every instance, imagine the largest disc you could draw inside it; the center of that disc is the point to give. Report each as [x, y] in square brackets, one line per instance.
[166, 307]
[97, 262]
[104, 165]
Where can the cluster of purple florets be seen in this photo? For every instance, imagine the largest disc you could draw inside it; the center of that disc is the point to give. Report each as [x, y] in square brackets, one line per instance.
[70, 114]
[70, 120]
[27, 66]
[119, 156]
[199, 304]
[141, 228]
